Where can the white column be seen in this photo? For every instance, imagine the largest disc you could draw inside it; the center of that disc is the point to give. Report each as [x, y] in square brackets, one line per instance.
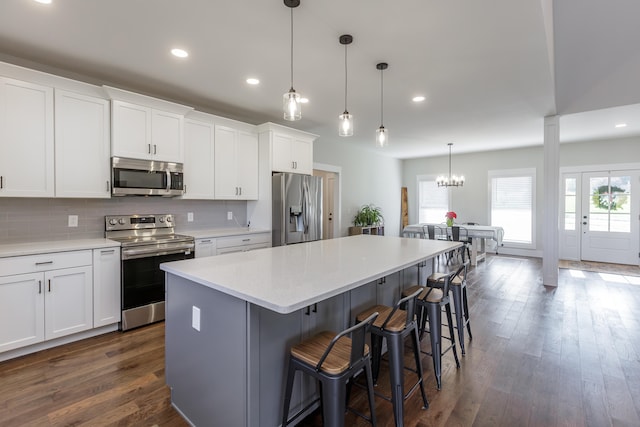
[551, 191]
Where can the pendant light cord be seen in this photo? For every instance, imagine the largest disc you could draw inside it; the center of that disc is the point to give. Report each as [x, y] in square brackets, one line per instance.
[345, 78]
[381, 98]
[291, 48]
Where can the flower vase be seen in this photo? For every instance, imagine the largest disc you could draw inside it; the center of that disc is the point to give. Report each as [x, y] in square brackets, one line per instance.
[449, 222]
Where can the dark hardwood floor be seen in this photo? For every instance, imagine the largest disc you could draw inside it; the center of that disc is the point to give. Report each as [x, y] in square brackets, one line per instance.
[566, 356]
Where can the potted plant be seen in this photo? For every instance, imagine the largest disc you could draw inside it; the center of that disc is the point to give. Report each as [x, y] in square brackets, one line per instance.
[367, 216]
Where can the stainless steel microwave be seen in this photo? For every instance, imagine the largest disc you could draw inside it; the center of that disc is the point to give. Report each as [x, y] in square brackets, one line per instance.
[136, 177]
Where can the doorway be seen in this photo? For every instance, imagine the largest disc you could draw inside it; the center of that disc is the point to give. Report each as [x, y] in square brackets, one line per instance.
[601, 216]
[330, 199]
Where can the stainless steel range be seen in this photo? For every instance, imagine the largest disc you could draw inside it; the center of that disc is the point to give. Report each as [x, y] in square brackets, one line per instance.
[146, 242]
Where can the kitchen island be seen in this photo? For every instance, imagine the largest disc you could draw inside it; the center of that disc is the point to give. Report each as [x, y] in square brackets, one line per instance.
[231, 319]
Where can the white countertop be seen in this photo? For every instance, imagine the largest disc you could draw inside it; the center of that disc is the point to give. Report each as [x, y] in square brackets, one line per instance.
[33, 248]
[222, 232]
[287, 278]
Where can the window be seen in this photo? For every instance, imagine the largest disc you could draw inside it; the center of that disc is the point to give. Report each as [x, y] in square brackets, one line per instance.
[570, 198]
[433, 201]
[512, 201]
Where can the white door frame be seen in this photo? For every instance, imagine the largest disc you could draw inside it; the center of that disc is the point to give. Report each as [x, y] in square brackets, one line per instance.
[337, 217]
[566, 238]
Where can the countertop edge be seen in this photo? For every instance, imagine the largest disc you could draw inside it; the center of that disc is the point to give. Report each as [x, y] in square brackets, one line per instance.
[35, 248]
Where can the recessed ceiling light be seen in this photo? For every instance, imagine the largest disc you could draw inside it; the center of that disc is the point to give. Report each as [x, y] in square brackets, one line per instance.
[418, 98]
[253, 81]
[304, 100]
[44, 1]
[180, 53]
[621, 125]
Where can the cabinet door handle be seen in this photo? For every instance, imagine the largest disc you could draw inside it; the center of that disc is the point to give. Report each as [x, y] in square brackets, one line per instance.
[315, 308]
[155, 151]
[149, 148]
[240, 190]
[44, 263]
[1, 182]
[185, 189]
[39, 286]
[108, 187]
[49, 285]
[308, 312]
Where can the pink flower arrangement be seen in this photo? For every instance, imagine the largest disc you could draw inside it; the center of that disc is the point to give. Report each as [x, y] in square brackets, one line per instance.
[450, 217]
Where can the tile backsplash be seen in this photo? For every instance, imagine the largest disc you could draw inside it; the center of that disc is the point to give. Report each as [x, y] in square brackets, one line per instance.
[34, 219]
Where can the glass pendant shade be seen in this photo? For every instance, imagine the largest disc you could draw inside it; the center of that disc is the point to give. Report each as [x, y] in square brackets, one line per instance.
[291, 106]
[345, 126]
[382, 136]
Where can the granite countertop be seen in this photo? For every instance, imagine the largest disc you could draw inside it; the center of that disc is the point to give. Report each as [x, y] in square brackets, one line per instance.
[287, 278]
[34, 248]
[222, 232]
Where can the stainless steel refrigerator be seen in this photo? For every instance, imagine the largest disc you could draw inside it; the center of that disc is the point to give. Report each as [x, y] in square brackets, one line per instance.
[297, 208]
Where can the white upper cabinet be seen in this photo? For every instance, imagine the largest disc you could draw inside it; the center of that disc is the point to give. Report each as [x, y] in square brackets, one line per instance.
[236, 164]
[146, 128]
[26, 139]
[81, 146]
[291, 154]
[291, 149]
[141, 132]
[199, 163]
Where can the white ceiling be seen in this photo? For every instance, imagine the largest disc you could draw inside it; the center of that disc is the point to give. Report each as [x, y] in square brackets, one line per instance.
[485, 67]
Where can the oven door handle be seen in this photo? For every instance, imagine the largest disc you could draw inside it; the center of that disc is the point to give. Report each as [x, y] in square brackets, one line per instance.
[149, 252]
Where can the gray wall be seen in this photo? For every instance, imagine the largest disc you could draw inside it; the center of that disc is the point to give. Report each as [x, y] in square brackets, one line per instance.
[28, 219]
[367, 177]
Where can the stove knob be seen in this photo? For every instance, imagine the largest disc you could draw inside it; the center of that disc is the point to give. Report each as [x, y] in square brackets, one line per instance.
[121, 221]
[113, 221]
[168, 218]
[161, 219]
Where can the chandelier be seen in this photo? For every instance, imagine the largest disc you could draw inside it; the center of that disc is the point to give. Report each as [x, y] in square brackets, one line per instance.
[451, 180]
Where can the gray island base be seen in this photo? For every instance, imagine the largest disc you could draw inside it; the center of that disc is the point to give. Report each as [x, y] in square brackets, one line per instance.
[231, 319]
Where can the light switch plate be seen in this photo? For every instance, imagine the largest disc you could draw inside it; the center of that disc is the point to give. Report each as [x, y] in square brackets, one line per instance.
[73, 220]
[195, 318]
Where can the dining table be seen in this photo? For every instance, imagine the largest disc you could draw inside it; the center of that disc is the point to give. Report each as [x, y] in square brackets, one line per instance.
[477, 234]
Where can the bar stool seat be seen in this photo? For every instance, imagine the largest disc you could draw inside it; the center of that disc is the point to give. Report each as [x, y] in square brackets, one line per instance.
[394, 325]
[334, 360]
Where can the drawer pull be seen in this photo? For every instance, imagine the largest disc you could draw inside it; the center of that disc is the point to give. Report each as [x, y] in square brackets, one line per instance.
[39, 286]
[246, 240]
[44, 263]
[205, 241]
[110, 251]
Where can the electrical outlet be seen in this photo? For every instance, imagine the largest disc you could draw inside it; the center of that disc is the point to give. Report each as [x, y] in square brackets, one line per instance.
[195, 318]
[229, 215]
[73, 220]
[189, 216]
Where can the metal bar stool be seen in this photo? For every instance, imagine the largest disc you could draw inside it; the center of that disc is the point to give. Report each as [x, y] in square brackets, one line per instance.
[395, 325]
[458, 287]
[332, 359]
[431, 300]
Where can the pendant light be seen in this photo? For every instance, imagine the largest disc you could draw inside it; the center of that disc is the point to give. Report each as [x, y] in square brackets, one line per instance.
[291, 100]
[451, 180]
[382, 134]
[345, 127]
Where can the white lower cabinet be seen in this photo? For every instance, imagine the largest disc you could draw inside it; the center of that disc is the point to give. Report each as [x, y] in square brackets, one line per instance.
[106, 286]
[68, 301]
[21, 310]
[205, 247]
[53, 295]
